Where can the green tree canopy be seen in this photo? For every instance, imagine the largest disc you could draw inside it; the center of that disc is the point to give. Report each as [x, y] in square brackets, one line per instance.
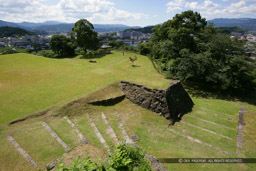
[189, 49]
[84, 36]
[61, 45]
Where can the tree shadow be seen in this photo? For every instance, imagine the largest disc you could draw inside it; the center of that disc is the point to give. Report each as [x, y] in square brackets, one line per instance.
[92, 61]
[135, 66]
[206, 91]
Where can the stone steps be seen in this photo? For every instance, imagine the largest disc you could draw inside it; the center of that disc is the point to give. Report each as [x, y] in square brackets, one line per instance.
[127, 139]
[54, 135]
[22, 151]
[97, 132]
[110, 130]
[80, 135]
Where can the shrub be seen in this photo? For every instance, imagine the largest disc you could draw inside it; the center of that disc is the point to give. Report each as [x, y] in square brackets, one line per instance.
[124, 158]
[23, 50]
[7, 50]
[47, 53]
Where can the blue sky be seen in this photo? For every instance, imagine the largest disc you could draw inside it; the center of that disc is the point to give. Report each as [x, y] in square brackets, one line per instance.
[129, 12]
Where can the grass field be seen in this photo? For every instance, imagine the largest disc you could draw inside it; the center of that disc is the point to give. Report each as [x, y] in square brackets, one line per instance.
[29, 84]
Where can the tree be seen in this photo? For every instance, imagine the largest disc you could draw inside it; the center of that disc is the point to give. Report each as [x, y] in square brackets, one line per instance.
[133, 59]
[35, 47]
[116, 44]
[90, 55]
[144, 48]
[189, 49]
[84, 36]
[61, 45]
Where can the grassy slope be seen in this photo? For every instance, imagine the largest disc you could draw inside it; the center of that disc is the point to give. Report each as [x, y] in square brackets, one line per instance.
[29, 83]
[61, 80]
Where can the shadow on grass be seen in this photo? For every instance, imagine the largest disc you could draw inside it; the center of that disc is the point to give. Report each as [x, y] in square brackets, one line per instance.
[136, 66]
[93, 61]
[205, 91]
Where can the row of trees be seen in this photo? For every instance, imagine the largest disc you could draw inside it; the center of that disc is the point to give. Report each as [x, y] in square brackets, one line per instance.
[82, 36]
[189, 49]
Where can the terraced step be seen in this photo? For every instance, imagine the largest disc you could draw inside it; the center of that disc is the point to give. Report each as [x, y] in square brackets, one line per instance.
[97, 132]
[80, 135]
[22, 151]
[128, 140]
[54, 135]
[212, 132]
[223, 126]
[110, 130]
[199, 141]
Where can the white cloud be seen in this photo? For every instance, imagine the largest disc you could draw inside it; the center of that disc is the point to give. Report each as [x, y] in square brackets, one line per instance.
[206, 5]
[210, 9]
[96, 11]
[175, 5]
[238, 9]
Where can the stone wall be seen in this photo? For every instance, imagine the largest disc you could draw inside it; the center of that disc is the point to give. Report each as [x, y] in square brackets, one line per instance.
[171, 103]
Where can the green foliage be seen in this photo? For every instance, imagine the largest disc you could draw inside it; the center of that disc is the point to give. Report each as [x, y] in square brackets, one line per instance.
[229, 30]
[90, 54]
[144, 48]
[79, 51]
[23, 50]
[7, 50]
[84, 36]
[133, 59]
[61, 45]
[126, 47]
[129, 158]
[124, 158]
[116, 44]
[188, 49]
[122, 46]
[147, 29]
[81, 164]
[47, 53]
[13, 31]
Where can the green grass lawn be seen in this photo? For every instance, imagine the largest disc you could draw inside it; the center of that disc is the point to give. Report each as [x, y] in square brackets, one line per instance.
[29, 84]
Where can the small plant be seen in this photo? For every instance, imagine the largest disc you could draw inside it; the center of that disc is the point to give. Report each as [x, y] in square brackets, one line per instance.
[124, 158]
[90, 55]
[47, 53]
[129, 158]
[133, 59]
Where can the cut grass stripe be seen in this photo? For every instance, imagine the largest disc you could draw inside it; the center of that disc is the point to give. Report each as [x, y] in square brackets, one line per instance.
[22, 151]
[206, 130]
[214, 128]
[54, 135]
[128, 140]
[110, 130]
[97, 132]
[211, 122]
[199, 141]
[241, 124]
[80, 135]
[216, 111]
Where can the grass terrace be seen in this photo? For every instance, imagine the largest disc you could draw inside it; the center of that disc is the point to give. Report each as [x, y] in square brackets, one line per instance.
[30, 84]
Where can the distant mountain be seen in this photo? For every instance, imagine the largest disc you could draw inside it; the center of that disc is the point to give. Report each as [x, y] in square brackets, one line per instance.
[248, 24]
[147, 29]
[13, 31]
[55, 27]
[9, 24]
[30, 25]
